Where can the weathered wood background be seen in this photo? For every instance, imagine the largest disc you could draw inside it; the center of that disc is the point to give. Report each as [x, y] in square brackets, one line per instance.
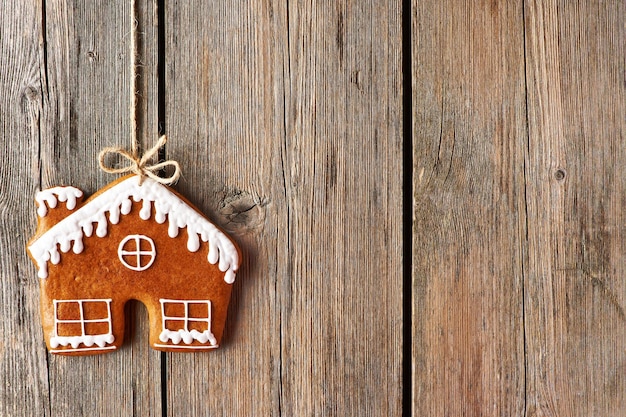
[429, 195]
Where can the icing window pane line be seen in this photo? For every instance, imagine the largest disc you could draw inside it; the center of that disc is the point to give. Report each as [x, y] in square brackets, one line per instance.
[138, 250]
[81, 318]
[103, 320]
[143, 252]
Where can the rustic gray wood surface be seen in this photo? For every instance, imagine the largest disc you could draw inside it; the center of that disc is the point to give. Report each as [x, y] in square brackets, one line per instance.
[287, 118]
[575, 281]
[76, 87]
[518, 133]
[23, 362]
[469, 137]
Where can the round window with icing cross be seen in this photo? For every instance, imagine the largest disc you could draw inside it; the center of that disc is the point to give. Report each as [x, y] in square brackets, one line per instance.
[137, 252]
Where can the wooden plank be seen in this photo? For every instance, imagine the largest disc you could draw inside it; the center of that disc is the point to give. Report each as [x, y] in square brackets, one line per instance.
[88, 74]
[22, 352]
[287, 121]
[146, 88]
[575, 291]
[469, 136]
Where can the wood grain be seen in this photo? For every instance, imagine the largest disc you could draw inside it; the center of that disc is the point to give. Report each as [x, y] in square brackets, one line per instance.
[575, 291]
[287, 120]
[469, 138]
[23, 366]
[86, 71]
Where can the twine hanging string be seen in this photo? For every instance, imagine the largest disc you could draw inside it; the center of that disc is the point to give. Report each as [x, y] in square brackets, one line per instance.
[139, 165]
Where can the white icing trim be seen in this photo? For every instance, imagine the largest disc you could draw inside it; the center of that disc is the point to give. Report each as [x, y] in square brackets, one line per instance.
[187, 337]
[137, 252]
[88, 340]
[96, 349]
[75, 341]
[117, 200]
[186, 346]
[52, 196]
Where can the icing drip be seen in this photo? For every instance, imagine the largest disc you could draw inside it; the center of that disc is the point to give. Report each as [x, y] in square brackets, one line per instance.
[55, 258]
[172, 230]
[78, 246]
[127, 205]
[187, 337]
[193, 242]
[117, 200]
[75, 341]
[114, 215]
[146, 210]
[52, 196]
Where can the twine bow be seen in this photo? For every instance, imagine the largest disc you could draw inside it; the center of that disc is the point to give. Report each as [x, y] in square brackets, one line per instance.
[140, 166]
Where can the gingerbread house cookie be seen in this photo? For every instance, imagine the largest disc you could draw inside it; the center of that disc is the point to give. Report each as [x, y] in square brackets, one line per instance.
[131, 240]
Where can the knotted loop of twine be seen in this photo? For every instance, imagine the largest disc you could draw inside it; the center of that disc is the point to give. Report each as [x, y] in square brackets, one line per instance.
[140, 166]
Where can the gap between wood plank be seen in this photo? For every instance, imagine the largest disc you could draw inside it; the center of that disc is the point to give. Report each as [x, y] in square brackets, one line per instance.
[44, 46]
[407, 211]
[160, 5]
[524, 263]
[139, 117]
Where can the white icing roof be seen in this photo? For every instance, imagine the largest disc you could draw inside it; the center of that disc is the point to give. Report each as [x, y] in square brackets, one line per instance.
[68, 233]
[52, 196]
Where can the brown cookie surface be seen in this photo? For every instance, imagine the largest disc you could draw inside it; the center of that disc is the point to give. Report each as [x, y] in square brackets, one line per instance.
[130, 241]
